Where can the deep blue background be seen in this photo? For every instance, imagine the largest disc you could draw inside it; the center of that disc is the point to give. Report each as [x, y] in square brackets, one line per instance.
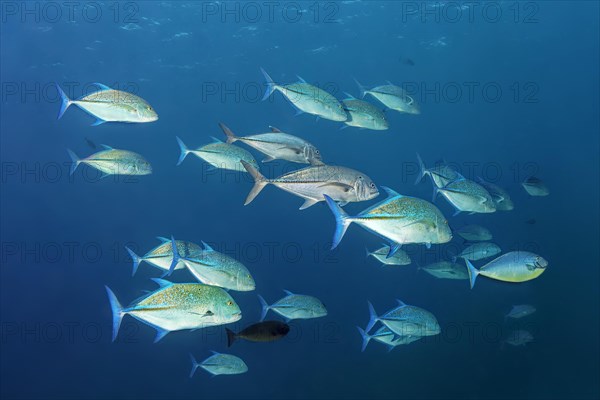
[555, 136]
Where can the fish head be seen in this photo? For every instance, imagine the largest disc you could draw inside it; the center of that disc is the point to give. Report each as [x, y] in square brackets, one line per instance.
[533, 261]
[145, 112]
[244, 281]
[365, 188]
[439, 230]
[143, 167]
[225, 309]
[312, 154]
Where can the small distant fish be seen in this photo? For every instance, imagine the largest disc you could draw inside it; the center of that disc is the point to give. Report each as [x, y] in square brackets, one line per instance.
[531, 221]
[386, 336]
[278, 145]
[479, 251]
[515, 266]
[266, 331]
[407, 61]
[399, 219]
[308, 98]
[500, 196]
[177, 306]
[393, 97]
[519, 338]
[446, 270]
[405, 320]
[520, 311]
[474, 233]
[311, 183]
[90, 143]
[109, 105]
[219, 155]
[217, 269]
[113, 162]
[467, 195]
[535, 187]
[162, 255]
[400, 257]
[364, 115]
[220, 364]
[294, 306]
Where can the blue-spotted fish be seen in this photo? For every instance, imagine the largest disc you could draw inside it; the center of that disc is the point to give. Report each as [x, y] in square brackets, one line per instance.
[386, 336]
[162, 255]
[308, 98]
[109, 105]
[220, 364]
[294, 306]
[219, 155]
[113, 162]
[393, 97]
[364, 115]
[406, 320]
[399, 219]
[177, 306]
[515, 266]
[467, 195]
[217, 269]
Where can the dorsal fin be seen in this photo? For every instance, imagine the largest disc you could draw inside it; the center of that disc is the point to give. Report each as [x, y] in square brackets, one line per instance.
[102, 86]
[390, 192]
[215, 140]
[163, 239]
[162, 282]
[350, 97]
[300, 79]
[275, 130]
[215, 353]
[288, 292]
[106, 147]
[206, 246]
[401, 303]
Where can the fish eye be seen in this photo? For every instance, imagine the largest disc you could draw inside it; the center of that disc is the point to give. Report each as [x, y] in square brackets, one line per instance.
[360, 177]
[372, 185]
[317, 152]
[229, 302]
[149, 108]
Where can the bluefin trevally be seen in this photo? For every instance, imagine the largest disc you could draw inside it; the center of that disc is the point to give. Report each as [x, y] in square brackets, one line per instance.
[294, 306]
[399, 219]
[308, 98]
[109, 105]
[177, 306]
[220, 364]
[113, 162]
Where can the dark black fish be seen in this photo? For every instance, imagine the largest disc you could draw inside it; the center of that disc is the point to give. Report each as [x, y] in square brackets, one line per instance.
[531, 221]
[407, 61]
[90, 143]
[266, 331]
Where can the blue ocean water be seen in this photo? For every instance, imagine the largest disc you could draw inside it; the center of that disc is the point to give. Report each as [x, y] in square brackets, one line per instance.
[506, 89]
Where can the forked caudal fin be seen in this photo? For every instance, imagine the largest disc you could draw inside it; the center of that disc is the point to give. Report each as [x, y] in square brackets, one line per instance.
[117, 312]
[176, 257]
[342, 221]
[184, 150]
[271, 85]
[259, 182]
[230, 337]
[422, 170]
[228, 132]
[365, 337]
[74, 162]
[361, 88]
[373, 318]
[136, 260]
[65, 101]
[265, 307]
[473, 272]
[195, 365]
